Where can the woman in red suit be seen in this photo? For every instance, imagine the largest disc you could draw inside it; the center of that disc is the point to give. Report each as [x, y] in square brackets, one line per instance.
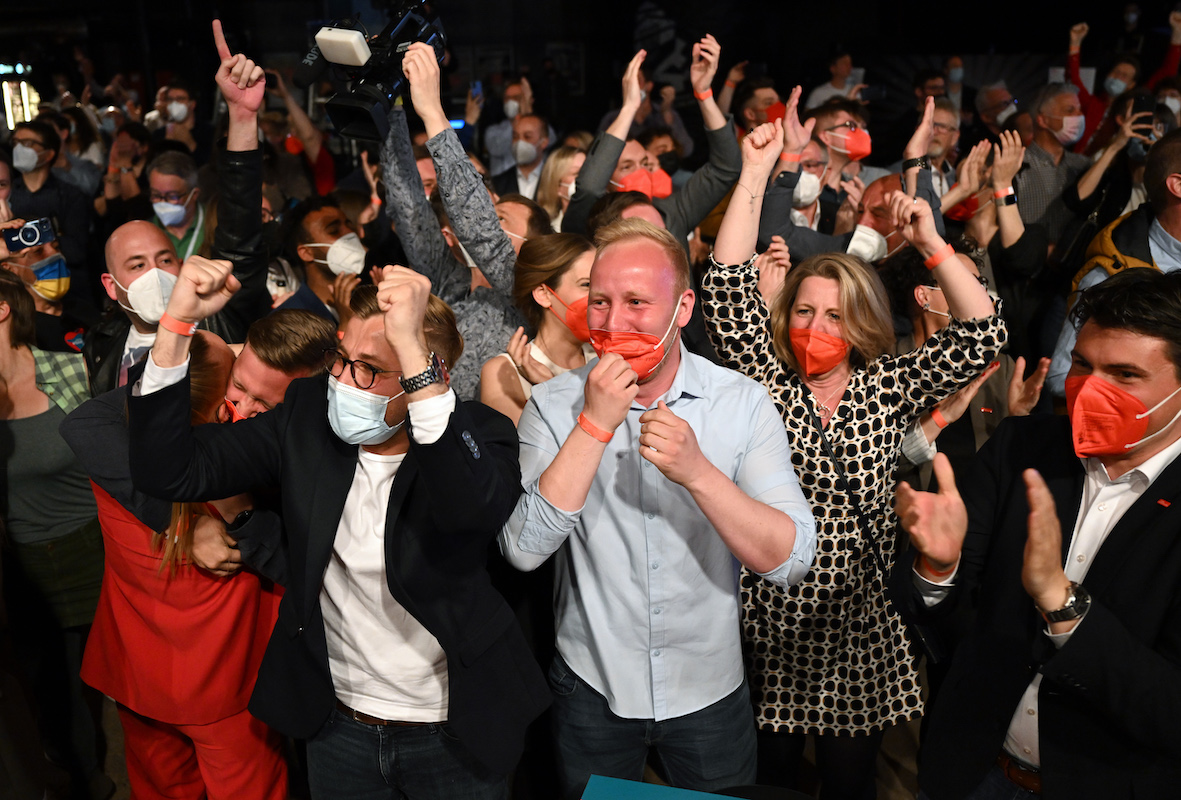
[177, 647]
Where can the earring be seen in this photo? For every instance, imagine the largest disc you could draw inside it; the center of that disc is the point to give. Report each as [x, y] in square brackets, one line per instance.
[926, 306]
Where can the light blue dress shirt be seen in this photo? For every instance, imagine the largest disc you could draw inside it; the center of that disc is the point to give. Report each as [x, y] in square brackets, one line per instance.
[646, 592]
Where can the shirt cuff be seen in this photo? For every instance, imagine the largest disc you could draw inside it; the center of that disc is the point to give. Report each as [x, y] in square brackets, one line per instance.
[1059, 639]
[156, 377]
[931, 592]
[429, 417]
[915, 447]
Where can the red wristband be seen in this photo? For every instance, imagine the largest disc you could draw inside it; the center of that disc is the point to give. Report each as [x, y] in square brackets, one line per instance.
[594, 430]
[793, 158]
[731, 84]
[926, 563]
[707, 94]
[938, 418]
[374, 200]
[944, 253]
[176, 326]
[1004, 192]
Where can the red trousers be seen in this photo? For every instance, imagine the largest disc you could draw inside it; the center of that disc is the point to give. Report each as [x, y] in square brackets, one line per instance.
[236, 758]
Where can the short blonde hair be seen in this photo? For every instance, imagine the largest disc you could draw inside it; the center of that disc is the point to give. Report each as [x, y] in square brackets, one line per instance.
[864, 303]
[626, 229]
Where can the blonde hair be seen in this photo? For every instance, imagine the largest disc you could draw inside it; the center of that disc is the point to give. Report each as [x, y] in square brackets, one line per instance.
[634, 228]
[549, 184]
[865, 307]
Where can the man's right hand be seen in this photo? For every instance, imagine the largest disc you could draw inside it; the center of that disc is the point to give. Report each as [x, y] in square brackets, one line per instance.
[936, 522]
[203, 288]
[214, 550]
[610, 388]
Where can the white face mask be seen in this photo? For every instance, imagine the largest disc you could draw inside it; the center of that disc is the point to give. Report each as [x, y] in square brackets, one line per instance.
[177, 112]
[148, 294]
[511, 109]
[1174, 103]
[567, 190]
[357, 416]
[346, 256]
[524, 152]
[1071, 130]
[172, 214]
[1006, 112]
[870, 245]
[806, 191]
[24, 158]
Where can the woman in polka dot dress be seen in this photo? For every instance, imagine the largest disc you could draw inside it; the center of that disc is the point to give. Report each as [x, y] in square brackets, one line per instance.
[830, 656]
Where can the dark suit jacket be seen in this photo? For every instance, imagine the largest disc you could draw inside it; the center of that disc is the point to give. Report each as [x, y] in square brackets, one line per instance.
[448, 501]
[1110, 698]
[506, 182]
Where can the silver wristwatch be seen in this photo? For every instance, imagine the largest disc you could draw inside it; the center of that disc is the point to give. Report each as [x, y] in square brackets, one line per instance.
[1077, 604]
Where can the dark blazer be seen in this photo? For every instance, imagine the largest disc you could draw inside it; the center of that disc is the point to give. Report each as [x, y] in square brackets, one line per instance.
[506, 182]
[448, 502]
[1110, 698]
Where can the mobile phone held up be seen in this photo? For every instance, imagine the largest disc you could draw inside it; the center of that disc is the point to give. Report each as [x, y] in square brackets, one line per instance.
[32, 233]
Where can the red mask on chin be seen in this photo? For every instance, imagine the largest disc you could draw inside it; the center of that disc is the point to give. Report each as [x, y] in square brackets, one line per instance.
[817, 352]
[643, 352]
[231, 412]
[1105, 420]
[575, 317]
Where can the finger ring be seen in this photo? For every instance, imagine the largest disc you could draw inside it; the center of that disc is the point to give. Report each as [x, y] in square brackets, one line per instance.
[916, 201]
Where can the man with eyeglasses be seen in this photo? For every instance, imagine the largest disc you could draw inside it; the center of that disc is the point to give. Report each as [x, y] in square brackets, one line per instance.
[37, 193]
[945, 135]
[175, 198]
[393, 656]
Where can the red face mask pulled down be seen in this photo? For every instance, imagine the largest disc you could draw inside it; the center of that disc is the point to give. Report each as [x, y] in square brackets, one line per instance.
[817, 352]
[1105, 420]
[575, 317]
[643, 352]
[857, 143]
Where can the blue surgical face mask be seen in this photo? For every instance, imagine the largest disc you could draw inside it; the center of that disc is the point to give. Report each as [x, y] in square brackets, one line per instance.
[109, 125]
[955, 75]
[357, 416]
[1114, 86]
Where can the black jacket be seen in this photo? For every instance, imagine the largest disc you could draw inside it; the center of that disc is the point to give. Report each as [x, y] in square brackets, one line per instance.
[1110, 698]
[448, 501]
[238, 238]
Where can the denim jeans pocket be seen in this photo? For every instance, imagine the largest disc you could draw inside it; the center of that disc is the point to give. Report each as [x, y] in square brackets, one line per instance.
[562, 681]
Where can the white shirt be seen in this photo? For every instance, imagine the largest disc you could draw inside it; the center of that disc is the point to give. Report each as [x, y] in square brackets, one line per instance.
[1104, 502]
[527, 184]
[823, 92]
[383, 661]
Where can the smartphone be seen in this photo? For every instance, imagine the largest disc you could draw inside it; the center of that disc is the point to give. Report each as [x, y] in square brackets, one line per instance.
[31, 234]
[477, 89]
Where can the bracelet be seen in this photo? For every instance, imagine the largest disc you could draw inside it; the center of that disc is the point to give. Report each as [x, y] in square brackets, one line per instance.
[374, 200]
[1004, 192]
[731, 84]
[1005, 200]
[176, 326]
[594, 430]
[922, 162]
[793, 158]
[938, 418]
[707, 94]
[112, 169]
[926, 563]
[944, 253]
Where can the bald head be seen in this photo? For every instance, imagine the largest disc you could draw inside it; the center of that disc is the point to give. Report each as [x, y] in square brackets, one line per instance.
[134, 249]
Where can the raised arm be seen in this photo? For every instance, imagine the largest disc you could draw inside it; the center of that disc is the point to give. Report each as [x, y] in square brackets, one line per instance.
[739, 231]
[468, 205]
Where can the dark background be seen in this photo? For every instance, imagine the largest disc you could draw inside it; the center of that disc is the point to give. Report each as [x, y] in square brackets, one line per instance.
[151, 40]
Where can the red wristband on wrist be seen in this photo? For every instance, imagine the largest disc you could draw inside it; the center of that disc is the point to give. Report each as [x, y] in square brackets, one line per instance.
[1004, 192]
[793, 158]
[707, 94]
[374, 200]
[944, 253]
[938, 418]
[926, 563]
[176, 326]
[594, 430]
[731, 84]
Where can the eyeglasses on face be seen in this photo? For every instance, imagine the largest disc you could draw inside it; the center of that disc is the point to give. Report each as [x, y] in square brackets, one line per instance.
[363, 374]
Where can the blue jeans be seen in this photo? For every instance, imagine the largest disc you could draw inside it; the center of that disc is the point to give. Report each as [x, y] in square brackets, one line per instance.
[995, 786]
[355, 761]
[710, 749]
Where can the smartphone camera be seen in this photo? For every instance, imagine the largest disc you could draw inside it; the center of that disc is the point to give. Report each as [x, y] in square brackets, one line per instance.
[31, 234]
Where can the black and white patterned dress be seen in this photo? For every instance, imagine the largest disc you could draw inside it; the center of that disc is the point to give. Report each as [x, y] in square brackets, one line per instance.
[829, 655]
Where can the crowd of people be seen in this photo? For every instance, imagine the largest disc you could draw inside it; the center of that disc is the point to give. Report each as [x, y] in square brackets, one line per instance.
[507, 455]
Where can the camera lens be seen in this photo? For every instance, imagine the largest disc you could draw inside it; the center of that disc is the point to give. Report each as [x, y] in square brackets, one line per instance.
[29, 235]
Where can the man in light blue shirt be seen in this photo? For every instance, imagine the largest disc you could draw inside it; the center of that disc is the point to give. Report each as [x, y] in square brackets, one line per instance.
[653, 474]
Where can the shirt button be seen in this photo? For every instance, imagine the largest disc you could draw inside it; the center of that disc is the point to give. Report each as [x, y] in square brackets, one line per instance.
[1102, 506]
[656, 611]
[655, 652]
[651, 516]
[655, 565]
[1030, 712]
[1081, 559]
[1028, 752]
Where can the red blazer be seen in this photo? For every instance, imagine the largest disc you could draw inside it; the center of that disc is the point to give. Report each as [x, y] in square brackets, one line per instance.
[181, 647]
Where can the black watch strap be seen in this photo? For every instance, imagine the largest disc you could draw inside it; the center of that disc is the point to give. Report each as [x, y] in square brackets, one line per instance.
[921, 162]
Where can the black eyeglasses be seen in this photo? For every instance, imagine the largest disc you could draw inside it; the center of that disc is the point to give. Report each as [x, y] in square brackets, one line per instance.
[363, 374]
[850, 124]
[175, 198]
